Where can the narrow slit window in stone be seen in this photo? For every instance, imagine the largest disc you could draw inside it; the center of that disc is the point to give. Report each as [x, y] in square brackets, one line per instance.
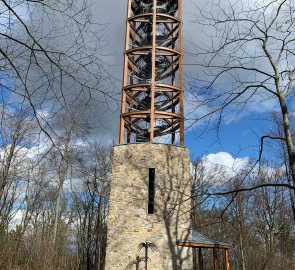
[151, 199]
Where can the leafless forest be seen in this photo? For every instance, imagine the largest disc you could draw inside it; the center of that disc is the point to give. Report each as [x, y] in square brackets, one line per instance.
[54, 180]
[248, 59]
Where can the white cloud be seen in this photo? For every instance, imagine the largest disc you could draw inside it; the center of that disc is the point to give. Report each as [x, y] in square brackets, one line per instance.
[226, 160]
[73, 184]
[17, 219]
[23, 156]
[222, 166]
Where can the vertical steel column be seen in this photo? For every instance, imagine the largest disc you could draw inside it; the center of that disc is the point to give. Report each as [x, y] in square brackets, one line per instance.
[181, 99]
[152, 116]
[131, 78]
[125, 75]
[173, 138]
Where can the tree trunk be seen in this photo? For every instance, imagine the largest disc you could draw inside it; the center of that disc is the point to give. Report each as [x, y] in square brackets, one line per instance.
[62, 176]
[243, 261]
[288, 136]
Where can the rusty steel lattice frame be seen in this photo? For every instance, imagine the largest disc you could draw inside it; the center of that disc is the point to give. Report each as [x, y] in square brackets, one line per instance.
[152, 94]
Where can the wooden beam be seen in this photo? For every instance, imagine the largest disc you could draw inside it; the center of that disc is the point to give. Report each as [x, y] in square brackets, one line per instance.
[197, 245]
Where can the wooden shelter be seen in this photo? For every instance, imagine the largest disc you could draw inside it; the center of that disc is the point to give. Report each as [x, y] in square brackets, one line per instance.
[201, 242]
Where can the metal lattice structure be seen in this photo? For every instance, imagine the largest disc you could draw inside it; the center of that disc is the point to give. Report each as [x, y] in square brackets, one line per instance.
[152, 99]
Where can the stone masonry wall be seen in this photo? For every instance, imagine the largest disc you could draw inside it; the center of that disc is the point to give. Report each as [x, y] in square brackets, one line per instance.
[129, 223]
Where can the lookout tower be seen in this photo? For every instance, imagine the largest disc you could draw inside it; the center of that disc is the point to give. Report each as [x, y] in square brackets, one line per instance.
[152, 100]
[150, 187]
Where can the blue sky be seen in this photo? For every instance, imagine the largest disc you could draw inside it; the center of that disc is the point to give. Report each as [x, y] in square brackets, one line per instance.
[239, 136]
[234, 135]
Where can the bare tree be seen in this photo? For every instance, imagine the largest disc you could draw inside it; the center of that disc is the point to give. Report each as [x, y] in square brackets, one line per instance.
[61, 164]
[91, 204]
[50, 57]
[258, 224]
[15, 132]
[247, 59]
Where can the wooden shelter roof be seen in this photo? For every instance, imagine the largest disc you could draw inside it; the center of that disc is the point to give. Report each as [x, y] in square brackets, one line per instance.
[199, 240]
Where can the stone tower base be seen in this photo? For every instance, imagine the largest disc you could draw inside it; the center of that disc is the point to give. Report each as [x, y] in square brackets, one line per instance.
[129, 223]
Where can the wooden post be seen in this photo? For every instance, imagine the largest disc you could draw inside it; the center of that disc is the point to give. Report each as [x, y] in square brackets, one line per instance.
[194, 252]
[201, 261]
[214, 259]
[226, 259]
